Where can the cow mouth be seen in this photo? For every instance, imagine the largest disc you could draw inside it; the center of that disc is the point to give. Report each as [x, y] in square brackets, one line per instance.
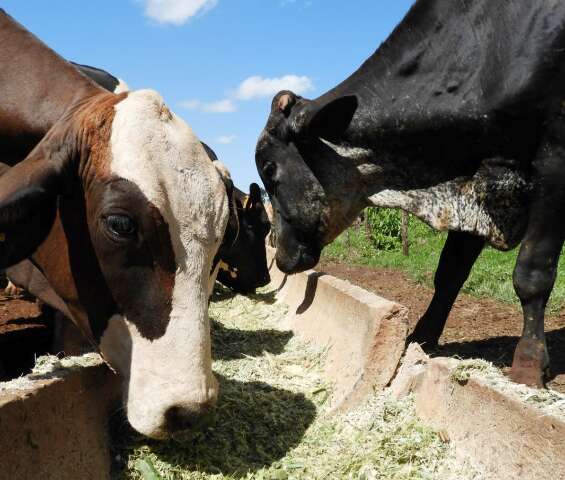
[303, 257]
[250, 289]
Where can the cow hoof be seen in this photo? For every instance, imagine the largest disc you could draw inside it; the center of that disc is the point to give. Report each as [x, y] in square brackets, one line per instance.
[426, 341]
[12, 291]
[530, 363]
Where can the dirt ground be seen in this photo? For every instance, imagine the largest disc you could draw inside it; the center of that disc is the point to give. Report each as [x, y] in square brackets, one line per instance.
[476, 328]
[25, 332]
[482, 328]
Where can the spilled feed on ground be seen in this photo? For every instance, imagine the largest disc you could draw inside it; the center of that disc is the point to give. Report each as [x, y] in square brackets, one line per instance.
[273, 419]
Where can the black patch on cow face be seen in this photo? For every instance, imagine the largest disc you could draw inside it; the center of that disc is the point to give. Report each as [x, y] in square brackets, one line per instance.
[134, 250]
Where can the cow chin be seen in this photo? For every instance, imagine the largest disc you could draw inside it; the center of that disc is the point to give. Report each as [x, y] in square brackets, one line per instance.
[294, 257]
[169, 390]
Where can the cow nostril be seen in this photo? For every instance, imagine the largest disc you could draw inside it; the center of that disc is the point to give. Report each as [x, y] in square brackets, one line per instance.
[180, 420]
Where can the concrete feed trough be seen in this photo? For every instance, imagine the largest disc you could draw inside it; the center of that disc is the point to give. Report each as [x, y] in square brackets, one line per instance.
[365, 334]
[53, 422]
[503, 429]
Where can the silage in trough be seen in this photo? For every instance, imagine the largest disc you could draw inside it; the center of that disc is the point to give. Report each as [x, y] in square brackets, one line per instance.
[273, 421]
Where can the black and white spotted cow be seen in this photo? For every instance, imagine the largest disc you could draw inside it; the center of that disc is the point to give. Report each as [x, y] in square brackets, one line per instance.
[458, 118]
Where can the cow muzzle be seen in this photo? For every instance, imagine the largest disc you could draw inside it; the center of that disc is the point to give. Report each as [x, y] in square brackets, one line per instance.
[169, 390]
[177, 418]
[296, 257]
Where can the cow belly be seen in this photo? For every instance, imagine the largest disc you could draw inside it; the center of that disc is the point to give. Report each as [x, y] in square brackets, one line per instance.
[492, 204]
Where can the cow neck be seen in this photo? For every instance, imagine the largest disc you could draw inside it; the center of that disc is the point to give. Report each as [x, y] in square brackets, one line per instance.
[38, 87]
[453, 63]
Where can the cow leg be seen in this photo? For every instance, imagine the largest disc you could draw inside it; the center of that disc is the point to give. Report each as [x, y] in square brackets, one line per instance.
[457, 258]
[536, 266]
[534, 276]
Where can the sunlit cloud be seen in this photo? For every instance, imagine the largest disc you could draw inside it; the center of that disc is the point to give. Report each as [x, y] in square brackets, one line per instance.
[176, 12]
[260, 87]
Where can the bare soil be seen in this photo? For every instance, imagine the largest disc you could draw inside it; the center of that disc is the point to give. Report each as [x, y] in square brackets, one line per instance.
[477, 327]
[25, 333]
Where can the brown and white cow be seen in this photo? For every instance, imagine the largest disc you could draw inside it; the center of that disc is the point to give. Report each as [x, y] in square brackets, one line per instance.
[117, 204]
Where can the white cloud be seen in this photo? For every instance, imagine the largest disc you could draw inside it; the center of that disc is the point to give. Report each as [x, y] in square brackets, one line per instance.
[226, 139]
[259, 87]
[220, 106]
[176, 12]
[252, 88]
[191, 104]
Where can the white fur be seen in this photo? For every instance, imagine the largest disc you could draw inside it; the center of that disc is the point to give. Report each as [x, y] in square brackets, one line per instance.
[158, 151]
[121, 87]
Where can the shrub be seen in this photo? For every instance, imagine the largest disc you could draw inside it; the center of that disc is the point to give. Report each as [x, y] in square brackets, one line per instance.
[385, 227]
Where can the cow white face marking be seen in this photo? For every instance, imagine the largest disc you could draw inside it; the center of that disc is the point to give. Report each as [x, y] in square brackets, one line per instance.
[157, 152]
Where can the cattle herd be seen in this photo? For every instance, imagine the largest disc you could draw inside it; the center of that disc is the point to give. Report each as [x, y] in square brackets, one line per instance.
[114, 212]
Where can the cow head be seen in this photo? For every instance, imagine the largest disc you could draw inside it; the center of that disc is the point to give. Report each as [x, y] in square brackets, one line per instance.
[123, 212]
[311, 186]
[243, 254]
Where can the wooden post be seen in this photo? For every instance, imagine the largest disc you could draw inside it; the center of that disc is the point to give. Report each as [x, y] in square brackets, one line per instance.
[404, 233]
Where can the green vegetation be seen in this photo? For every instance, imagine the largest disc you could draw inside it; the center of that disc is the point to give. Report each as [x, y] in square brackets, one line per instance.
[379, 245]
[273, 420]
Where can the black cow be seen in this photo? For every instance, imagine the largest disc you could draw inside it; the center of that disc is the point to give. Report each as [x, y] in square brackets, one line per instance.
[459, 118]
[242, 256]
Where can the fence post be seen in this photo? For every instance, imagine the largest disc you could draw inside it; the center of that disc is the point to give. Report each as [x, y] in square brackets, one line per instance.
[404, 233]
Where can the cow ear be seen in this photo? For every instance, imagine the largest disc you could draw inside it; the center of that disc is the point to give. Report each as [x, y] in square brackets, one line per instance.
[28, 199]
[332, 120]
[254, 194]
[283, 102]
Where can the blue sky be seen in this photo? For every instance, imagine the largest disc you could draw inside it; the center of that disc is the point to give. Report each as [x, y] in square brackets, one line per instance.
[217, 62]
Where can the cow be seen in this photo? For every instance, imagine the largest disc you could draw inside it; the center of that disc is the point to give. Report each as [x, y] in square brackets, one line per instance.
[242, 257]
[459, 118]
[114, 200]
[271, 240]
[241, 260]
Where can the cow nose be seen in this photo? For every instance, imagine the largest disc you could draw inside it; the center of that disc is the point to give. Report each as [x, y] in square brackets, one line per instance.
[182, 422]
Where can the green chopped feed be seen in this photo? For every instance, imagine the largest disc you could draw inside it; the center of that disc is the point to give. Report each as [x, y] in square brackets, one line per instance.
[548, 402]
[50, 366]
[272, 416]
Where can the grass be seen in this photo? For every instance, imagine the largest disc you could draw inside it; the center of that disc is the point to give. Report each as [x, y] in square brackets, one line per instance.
[491, 275]
[272, 421]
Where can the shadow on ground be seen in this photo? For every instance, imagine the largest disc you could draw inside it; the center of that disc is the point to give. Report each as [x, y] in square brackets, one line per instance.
[500, 350]
[222, 293]
[256, 425]
[231, 343]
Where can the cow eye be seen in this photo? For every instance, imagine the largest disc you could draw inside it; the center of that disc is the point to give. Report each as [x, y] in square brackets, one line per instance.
[120, 225]
[269, 169]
